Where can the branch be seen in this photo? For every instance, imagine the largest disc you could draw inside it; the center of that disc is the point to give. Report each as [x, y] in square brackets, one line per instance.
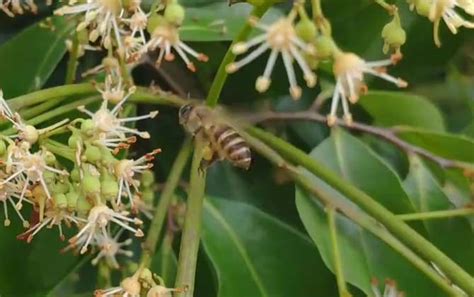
[384, 133]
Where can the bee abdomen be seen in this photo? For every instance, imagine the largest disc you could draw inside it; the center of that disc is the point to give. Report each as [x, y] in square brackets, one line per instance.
[233, 146]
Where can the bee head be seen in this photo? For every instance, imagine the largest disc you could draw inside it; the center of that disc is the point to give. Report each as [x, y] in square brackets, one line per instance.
[184, 112]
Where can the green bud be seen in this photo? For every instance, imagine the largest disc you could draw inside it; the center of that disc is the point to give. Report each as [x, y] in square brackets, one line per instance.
[30, 134]
[107, 156]
[148, 196]
[109, 188]
[147, 178]
[75, 175]
[72, 197]
[50, 158]
[88, 127]
[49, 177]
[3, 147]
[306, 30]
[324, 47]
[60, 200]
[92, 153]
[155, 21]
[174, 13]
[60, 188]
[423, 7]
[83, 206]
[91, 184]
[73, 140]
[394, 36]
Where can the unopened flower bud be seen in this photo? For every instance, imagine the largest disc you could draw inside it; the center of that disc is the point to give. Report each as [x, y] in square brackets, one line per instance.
[30, 134]
[49, 158]
[72, 197]
[306, 29]
[60, 188]
[83, 206]
[174, 13]
[88, 127]
[154, 21]
[423, 7]
[109, 188]
[131, 285]
[394, 36]
[49, 177]
[75, 175]
[92, 154]
[147, 179]
[91, 184]
[73, 140]
[324, 47]
[60, 200]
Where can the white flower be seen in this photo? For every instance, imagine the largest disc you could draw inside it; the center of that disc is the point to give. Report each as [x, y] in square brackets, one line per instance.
[446, 10]
[281, 38]
[12, 7]
[32, 166]
[349, 70]
[126, 171]
[129, 287]
[53, 217]
[111, 129]
[10, 190]
[99, 218]
[166, 37]
[110, 248]
[389, 291]
[101, 15]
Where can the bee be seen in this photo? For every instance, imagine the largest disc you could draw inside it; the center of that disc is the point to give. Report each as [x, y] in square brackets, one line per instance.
[223, 142]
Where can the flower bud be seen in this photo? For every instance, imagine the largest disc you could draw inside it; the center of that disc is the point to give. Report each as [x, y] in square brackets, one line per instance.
[394, 36]
[174, 13]
[155, 21]
[324, 47]
[88, 127]
[147, 178]
[3, 147]
[72, 198]
[83, 206]
[92, 153]
[91, 184]
[60, 188]
[423, 7]
[306, 29]
[73, 140]
[49, 158]
[109, 187]
[131, 285]
[60, 201]
[30, 134]
[75, 175]
[49, 177]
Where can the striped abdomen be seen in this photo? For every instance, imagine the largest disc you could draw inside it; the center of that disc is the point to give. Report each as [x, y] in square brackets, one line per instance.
[231, 146]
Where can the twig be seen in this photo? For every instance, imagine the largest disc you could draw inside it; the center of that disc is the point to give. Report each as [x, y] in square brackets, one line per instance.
[188, 252]
[384, 133]
[441, 214]
[156, 224]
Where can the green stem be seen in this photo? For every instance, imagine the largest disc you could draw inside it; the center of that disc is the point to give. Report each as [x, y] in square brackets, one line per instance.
[380, 213]
[352, 213]
[56, 112]
[221, 76]
[72, 62]
[156, 225]
[192, 226]
[46, 94]
[145, 96]
[59, 149]
[341, 283]
[441, 214]
[40, 108]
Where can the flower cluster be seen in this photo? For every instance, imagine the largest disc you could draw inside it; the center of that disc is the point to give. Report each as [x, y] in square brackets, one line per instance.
[122, 27]
[141, 283]
[100, 195]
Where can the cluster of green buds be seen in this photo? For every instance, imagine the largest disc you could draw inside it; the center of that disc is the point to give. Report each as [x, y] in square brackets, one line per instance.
[142, 283]
[100, 194]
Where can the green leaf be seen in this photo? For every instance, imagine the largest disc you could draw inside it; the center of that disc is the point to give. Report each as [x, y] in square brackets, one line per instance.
[29, 58]
[450, 146]
[218, 21]
[255, 254]
[30, 270]
[357, 164]
[363, 256]
[453, 236]
[402, 109]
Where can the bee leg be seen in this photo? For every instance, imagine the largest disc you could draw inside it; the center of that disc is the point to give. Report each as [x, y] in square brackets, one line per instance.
[208, 157]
